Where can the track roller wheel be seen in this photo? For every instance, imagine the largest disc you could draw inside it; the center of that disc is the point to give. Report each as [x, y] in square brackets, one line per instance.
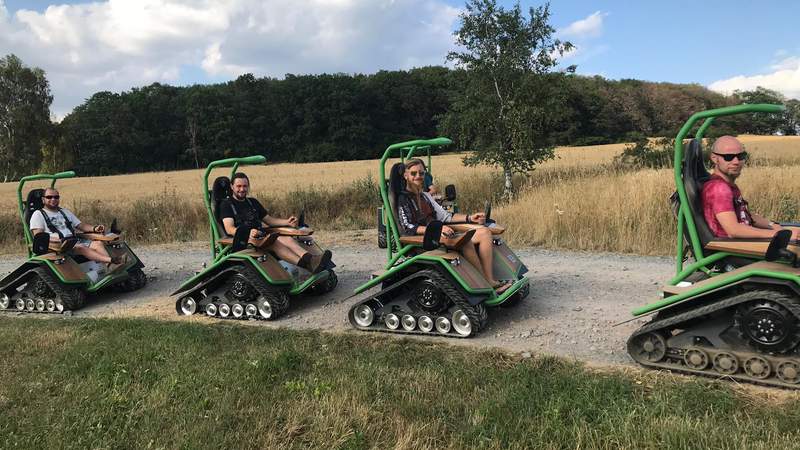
[726, 363]
[648, 347]
[237, 310]
[211, 310]
[364, 316]
[409, 322]
[272, 305]
[5, 301]
[224, 310]
[757, 367]
[788, 372]
[425, 324]
[696, 358]
[20, 304]
[186, 306]
[392, 321]
[443, 325]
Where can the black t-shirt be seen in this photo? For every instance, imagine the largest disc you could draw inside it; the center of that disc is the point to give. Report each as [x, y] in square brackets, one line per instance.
[247, 212]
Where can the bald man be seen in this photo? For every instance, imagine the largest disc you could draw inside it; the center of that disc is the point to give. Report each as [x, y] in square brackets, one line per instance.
[724, 208]
[61, 223]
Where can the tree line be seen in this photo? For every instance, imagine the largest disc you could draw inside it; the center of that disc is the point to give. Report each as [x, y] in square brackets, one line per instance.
[303, 118]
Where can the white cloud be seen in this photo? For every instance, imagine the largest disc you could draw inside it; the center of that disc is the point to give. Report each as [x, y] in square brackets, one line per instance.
[784, 78]
[590, 27]
[118, 44]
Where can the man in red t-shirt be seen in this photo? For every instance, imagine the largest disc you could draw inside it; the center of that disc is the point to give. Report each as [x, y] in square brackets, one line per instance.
[724, 208]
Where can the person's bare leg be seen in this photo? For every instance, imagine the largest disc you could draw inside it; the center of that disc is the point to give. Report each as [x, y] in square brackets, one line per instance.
[99, 248]
[483, 240]
[91, 254]
[286, 252]
[469, 253]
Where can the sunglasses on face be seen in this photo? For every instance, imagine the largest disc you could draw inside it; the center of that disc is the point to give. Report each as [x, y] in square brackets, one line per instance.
[52, 197]
[414, 173]
[729, 157]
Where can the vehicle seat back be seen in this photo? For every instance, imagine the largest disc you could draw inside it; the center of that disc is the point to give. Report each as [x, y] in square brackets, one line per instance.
[397, 184]
[33, 202]
[220, 190]
[695, 176]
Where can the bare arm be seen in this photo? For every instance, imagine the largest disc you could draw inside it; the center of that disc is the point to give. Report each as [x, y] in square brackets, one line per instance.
[735, 229]
[276, 222]
[229, 224]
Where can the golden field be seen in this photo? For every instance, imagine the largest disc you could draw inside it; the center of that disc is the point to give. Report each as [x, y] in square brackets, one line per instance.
[580, 200]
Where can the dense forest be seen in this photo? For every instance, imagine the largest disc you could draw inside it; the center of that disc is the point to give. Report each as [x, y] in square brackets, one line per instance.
[343, 117]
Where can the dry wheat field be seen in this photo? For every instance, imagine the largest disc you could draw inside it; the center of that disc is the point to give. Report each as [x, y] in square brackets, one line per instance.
[580, 200]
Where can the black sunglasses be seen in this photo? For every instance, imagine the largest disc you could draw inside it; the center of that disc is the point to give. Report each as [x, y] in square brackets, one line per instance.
[51, 197]
[729, 157]
[414, 173]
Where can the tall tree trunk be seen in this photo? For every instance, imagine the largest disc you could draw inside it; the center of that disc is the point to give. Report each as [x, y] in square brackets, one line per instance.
[508, 186]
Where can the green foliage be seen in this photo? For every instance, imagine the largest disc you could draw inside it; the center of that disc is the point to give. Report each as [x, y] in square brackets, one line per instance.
[24, 117]
[647, 154]
[761, 123]
[510, 105]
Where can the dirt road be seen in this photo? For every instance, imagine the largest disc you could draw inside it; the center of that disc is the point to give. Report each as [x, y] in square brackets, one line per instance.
[575, 298]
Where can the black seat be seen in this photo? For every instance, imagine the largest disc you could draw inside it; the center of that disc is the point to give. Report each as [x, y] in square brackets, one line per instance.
[397, 185]
[695, 176]
[33, 203]
[220, 190]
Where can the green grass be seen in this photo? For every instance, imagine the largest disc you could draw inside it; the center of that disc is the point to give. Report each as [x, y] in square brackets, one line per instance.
[84, 383]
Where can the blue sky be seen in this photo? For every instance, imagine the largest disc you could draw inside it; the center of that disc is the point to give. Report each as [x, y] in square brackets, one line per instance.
[118, 44]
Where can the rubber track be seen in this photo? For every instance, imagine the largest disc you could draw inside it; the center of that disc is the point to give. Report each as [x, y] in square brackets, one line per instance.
[788, 302]
[477, 314]
[278, 299]
[71, 298]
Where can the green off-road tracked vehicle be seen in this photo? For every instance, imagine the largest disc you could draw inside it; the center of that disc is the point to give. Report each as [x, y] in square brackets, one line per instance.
[53, 280]
[427, 287]
[245, 280]
[734, 309]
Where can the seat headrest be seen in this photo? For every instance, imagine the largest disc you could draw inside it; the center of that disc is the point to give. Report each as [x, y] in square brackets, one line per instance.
[694, 166]
[34, 200]
[397, 181]
[221, 189]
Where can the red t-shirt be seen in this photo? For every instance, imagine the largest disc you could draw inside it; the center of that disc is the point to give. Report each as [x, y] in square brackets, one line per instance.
[721, 196]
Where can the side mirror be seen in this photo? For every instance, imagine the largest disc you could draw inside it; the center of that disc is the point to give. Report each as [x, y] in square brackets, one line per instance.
[240, 239]
[433, 232]
[450, 192]
[41, 243]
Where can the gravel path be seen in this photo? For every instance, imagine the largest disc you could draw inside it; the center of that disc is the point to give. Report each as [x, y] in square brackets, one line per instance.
[575, 298]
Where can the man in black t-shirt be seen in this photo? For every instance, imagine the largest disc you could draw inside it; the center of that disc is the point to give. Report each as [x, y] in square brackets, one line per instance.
[241, 210]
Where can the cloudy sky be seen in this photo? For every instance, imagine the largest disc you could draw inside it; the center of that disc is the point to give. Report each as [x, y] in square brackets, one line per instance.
[115, 45]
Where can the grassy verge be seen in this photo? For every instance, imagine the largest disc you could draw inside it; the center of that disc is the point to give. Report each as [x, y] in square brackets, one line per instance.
[139, 384]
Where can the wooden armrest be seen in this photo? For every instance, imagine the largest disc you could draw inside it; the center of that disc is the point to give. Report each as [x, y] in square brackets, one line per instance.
[268, 239]
[98, 236]
[288, 231]
[464, 227]
[453, 243]
[751, 247]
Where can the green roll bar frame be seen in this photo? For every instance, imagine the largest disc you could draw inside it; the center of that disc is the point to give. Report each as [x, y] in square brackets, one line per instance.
[21, 204]
[216, 249]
